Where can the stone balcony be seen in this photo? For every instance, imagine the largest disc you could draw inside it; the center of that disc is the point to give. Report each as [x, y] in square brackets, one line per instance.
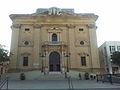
[54, 43]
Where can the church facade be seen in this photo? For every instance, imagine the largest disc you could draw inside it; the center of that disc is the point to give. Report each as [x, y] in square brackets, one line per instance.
[54, 40]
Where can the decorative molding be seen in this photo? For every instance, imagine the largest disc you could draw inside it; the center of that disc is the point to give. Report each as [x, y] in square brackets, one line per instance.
[91, 26]
[25, 54]
[83, 53]
[54, 11]
[37, 25]
[55, 29]
[70, 25]
[16, 26]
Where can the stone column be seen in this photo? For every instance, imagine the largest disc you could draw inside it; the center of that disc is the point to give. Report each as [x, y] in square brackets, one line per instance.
[62, 61]
[47, 62]
[58, 36]
[50, 37]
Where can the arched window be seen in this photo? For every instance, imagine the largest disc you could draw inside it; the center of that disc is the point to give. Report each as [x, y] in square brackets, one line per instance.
[54, 37]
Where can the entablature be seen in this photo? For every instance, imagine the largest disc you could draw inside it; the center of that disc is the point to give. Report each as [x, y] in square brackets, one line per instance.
[53, 13]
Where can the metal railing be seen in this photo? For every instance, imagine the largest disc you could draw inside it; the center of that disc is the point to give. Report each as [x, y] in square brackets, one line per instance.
[70, 83]
[3, 81]
[54, 43]
[111, 78]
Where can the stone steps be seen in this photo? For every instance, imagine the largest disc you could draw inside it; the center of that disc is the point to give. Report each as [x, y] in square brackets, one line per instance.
[51, 77]
[37, 75]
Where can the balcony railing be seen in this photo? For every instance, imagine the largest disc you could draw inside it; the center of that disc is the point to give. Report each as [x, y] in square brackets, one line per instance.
[54, 43]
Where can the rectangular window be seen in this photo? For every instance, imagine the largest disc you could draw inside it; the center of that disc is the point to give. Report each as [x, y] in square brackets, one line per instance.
[105, 52]
[25, 61]
[83, 60]
[110, 49]
[118, 48]
[110, 56]
[113, 48]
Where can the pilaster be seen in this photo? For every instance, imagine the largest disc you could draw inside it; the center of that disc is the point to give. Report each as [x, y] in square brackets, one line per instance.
[71, 45]
[36, 48]
[93, 47]
[14, 45]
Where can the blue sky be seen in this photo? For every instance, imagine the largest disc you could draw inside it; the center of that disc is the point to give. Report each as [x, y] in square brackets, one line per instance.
[107, 10]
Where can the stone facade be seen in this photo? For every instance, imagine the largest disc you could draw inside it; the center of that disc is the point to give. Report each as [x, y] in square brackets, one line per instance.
[54, 39]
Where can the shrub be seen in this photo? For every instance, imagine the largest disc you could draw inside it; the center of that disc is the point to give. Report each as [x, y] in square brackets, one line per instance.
[86, 76]
[22, 76]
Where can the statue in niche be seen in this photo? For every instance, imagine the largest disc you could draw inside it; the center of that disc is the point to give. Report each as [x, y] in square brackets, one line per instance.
[54, 11]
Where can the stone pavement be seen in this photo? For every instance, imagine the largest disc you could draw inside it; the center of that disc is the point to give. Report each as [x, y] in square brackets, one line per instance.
[61, 85]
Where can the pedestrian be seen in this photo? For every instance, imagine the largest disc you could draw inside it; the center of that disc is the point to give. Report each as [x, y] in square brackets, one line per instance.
[65, 75]
[79, 76]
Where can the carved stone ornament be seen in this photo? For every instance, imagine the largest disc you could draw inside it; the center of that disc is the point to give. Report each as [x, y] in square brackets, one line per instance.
[70, 25]
[54, 11]
[83, 53]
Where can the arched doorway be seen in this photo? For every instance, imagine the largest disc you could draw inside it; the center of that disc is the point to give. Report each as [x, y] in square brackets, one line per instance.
[54, 61]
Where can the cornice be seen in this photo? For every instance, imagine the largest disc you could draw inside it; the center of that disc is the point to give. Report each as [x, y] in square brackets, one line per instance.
[91, 26]
[55, 12]
[70, 25]
[16, 26]
[37, 25]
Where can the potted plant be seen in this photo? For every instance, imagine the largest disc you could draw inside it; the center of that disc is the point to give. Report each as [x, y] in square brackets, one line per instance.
[22, 76]
[86, 76]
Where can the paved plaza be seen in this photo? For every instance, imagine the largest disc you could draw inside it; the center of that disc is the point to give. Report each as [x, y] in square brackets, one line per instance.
[55, 81]
[60, 84]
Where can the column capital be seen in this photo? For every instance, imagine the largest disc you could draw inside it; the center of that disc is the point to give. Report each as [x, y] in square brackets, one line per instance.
[37, 26]
[91, 26]
[70, 25]
[16, 26]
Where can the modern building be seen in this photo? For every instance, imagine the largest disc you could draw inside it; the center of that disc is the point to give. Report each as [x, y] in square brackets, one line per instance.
[106, 50]
[54, 39]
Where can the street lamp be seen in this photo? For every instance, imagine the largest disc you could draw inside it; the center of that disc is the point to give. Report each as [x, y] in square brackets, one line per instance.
[67, 55]
[42, 56]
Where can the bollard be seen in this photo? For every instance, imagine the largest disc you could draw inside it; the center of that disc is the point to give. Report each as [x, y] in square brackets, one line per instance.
[97, 77]
[65, 75]
[69, 82]
[110, 78]
[79, 76]
[7, 82]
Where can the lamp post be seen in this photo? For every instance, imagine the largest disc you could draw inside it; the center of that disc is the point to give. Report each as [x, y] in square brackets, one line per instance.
[67, 55]
[42, 56]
